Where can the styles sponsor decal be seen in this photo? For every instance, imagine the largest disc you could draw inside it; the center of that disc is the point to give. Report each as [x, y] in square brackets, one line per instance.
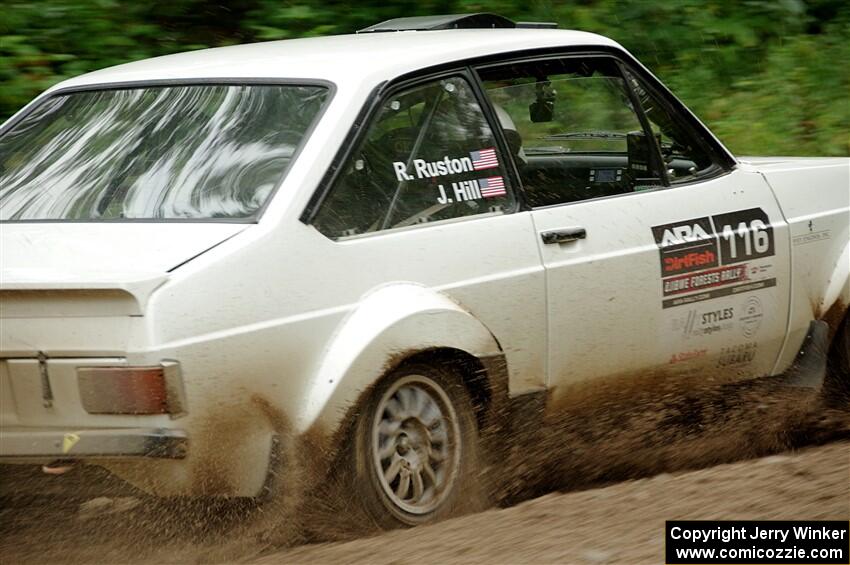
[697, 323]
[715, 316]
[701, 323]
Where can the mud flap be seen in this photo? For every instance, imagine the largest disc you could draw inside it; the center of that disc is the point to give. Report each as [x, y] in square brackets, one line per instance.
[272, 482]
[809, 367]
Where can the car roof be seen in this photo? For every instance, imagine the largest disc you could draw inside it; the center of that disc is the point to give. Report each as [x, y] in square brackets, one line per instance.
[360, 57]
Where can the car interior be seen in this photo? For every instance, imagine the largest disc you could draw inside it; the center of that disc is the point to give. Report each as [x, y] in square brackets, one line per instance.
[574, 133]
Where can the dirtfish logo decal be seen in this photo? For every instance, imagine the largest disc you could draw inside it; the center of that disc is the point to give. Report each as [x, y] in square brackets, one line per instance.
[422, 169]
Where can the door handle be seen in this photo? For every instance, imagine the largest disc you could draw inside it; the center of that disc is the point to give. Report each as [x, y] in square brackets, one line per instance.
[563, 236]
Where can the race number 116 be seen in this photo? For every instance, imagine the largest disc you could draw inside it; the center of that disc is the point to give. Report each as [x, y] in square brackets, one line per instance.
[744, 235]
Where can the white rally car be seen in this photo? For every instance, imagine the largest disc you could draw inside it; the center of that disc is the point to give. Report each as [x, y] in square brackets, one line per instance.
[221, 265]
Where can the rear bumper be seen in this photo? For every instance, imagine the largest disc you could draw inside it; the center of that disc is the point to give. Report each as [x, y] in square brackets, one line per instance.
[17, 443]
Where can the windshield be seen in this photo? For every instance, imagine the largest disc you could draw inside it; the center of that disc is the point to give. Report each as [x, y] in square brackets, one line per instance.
[165, 152]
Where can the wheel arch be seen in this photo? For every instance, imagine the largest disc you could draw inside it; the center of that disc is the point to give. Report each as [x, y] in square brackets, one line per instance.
[393, 325]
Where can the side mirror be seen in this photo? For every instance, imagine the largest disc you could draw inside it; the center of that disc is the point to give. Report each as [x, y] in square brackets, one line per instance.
[543, 108]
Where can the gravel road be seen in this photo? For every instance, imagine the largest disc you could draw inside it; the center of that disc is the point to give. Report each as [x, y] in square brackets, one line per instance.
[620, 523]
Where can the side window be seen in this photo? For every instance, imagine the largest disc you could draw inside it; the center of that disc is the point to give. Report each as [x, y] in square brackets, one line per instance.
[572, 128]
[684, 156]
[428, 155]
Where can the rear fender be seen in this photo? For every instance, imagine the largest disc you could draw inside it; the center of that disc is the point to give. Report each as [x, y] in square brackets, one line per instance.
[390, 324]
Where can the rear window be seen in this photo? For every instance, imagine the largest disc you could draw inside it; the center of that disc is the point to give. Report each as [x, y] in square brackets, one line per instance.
[192, 152]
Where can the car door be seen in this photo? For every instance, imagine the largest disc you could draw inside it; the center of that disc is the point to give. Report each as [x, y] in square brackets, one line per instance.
[659, 257]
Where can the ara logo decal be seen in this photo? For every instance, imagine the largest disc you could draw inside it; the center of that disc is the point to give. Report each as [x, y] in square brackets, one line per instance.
[678, 235]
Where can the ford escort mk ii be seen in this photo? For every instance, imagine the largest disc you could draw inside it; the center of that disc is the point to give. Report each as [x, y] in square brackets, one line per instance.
[385, 247]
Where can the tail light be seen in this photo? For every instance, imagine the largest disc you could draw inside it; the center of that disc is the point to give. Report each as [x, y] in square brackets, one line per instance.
[131, 390]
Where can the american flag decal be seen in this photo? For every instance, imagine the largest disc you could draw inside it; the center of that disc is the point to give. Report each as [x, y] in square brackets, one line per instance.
[491, 187]
[484, 159]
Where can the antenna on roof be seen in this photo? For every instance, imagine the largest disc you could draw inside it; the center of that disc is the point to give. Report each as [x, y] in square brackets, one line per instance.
[453, 21]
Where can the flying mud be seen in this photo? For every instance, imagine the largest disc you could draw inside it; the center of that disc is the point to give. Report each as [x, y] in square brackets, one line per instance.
[587, 439]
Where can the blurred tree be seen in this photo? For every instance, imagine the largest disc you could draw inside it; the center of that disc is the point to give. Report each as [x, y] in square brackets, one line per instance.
[769, 76]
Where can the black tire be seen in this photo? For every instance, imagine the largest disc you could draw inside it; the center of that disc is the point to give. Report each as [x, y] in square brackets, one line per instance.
[836, 391]
[400, 432]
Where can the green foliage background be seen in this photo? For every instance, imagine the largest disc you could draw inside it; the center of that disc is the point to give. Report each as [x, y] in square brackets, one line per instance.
[768, 76]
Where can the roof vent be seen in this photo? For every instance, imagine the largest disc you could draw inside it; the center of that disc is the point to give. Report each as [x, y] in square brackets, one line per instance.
[453, 21]
[537, 25]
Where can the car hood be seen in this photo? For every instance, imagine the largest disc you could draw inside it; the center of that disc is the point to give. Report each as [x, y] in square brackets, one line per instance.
[762, 162]
[92, 255]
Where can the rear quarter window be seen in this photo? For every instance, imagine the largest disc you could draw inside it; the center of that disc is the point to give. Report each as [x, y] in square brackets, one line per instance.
[428, 155]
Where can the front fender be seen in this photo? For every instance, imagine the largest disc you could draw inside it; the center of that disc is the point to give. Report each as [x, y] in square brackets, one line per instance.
[838, 286]
[390, 323]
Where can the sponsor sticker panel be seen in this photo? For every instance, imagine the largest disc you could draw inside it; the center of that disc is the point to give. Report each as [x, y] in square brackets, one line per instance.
[714, 271]
[715, 256]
